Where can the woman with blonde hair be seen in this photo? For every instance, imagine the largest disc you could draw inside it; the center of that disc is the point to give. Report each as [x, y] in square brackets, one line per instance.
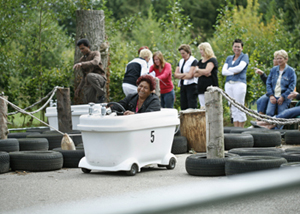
[207, 71]
[163, 71]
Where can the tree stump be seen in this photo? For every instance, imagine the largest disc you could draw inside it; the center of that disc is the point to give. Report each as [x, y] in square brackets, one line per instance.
[3, 118]
[214, 124]
[64, 115]
[193, 127]
[90, 24]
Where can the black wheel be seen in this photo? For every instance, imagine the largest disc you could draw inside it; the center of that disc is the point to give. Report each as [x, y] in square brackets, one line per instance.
[54, 139]
[257, 151]
[33, 144]
[238, 130]
[238, 141]
[200, 165]
[291, 156]
[133, 170]
[80, 146]
[265, 138]
[36, 161]
[243, 164]
[172, 163]
[292, 137]
[71, 157]
[179, 145]
[20, 134]
[4, 162]
[9, 145]
[292, 164]
[116, 107]
[84, 170]
[294, 149]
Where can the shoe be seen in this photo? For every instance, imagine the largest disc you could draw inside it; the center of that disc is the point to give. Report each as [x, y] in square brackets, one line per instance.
[254, 124]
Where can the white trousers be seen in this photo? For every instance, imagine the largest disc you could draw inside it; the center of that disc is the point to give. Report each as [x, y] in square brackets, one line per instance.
[237, 91]
[201, 100]
[129, 89]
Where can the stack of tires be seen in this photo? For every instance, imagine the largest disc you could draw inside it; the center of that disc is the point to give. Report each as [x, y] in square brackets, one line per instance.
[32, 151]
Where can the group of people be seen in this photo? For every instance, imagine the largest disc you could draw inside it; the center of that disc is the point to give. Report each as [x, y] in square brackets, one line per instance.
[194, 78]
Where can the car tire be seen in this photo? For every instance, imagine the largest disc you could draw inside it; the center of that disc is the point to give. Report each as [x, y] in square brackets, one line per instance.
[54, 140]
[33, 144]
[238, 130]
[200, 165]
[232, 141]
[244, 164]
[9, 145]
[71, 157]
[179, 145]
[292, 137]
[265, 138]
[21, 134]
[4, 162]
[257, 151]
[291, 164]
[36, 161]
[294, 149]
[291, 156]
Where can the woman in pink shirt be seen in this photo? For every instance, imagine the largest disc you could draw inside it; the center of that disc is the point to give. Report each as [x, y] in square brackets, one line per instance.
[163, 71]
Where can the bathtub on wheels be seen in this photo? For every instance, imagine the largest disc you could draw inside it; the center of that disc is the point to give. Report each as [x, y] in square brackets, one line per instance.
[128, 143]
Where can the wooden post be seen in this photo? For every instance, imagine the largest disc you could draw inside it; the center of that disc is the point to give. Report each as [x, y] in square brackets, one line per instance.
[3, 118]
[64, 115]
[157, 88]
[192, 126]
[90, 24]
[214, 124]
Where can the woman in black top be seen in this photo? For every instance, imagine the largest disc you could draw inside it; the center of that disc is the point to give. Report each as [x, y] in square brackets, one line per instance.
[207, 71]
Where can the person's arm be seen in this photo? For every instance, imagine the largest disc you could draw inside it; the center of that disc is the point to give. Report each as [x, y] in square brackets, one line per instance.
[206, 71]
[294, 95]
[190, 74]
[269, 87]
[225, 71]
[292, 84]
[164, 76]
[237, 69]
[264, 78]
[94, 62]
[154, 105]
[178, 74]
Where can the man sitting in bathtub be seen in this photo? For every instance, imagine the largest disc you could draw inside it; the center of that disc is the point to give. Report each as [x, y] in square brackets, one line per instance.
[144, 100]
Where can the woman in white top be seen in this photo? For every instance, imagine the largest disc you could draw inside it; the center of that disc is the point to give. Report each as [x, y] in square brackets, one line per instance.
[235, 69]
[188, 83]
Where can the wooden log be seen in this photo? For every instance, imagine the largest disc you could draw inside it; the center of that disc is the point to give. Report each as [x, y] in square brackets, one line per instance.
[90, 24]
[214, 124]
[192, 126]
[63, 107]
[3, 118]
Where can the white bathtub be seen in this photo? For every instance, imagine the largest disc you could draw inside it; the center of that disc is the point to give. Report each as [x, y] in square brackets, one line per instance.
[76, 110]
[115, 143]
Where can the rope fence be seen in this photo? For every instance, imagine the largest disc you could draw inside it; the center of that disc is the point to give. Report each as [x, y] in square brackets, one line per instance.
[254, 114]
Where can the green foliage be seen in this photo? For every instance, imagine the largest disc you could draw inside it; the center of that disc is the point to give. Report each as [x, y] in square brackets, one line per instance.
[260, 42]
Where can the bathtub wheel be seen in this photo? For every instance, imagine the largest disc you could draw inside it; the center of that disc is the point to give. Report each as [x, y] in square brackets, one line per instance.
[172, 163]
[85, 170]
[133, 170]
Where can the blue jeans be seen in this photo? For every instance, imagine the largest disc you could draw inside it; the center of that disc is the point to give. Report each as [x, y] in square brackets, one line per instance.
[262, 103]
[289, 113]
[280, 108]
[167, 99]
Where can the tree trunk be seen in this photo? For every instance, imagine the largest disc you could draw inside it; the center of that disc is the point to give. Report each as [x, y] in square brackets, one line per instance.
[90, 25]
[64, 115]
[3, 118]
[214, 124]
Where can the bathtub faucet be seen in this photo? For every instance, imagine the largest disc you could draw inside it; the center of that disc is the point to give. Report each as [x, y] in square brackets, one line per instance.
[91, 108]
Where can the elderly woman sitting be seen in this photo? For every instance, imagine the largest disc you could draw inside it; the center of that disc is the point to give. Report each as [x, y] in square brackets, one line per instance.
[280, 83]
[144, 100]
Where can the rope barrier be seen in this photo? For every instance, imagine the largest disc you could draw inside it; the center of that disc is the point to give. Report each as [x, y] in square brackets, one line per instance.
[254, 114]
[46, 103]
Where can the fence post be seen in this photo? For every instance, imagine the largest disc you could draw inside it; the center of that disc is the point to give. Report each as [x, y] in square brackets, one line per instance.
[3, 117]
[157, 88]
[64, 115]
[214, 124]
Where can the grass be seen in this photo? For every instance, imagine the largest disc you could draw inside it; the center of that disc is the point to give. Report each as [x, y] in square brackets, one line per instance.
[21, 120]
